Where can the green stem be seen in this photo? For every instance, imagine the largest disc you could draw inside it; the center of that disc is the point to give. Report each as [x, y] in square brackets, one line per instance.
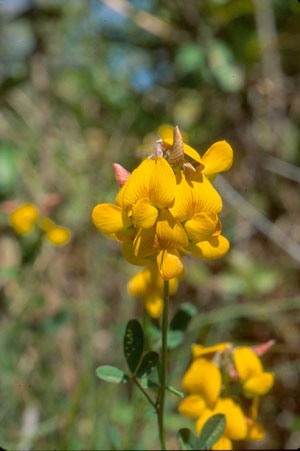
[145, 393]
[164, 354]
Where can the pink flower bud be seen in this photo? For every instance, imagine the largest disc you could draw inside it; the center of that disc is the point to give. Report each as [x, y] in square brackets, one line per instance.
[121, 174]
[263, 347]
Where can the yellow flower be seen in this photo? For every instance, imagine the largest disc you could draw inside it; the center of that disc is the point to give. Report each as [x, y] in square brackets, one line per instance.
[203, 381]
[223, 443]
[166, 131]
[249, 367]
[149, 285]
[199, 350]
[236, 425]
[255, 431]
[166, 209]
[58, 235]
[24, 218]
[218, 158]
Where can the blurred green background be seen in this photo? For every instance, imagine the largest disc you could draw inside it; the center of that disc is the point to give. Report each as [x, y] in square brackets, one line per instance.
[84, 84]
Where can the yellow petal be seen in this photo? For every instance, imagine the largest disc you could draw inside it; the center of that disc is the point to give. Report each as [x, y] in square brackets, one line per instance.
[162, 184]
[119, 200]
[192, 406]
[215, 247]
[141, 283]
[153, 304]
[144, 214]
[58, 235]
[170, 233]
[169, 264]
[247, 363]
[236, 425]
[201, 226]
[126, 236]
[199, 350]
[203, 378]
[203, 419]
[127, 251]
[145, 242]
[218, 228]
[258, 385]
[223, 443]
[218, 158]
[183, 207]
[165, 131]
[188, 151]
[23, 218]
[256, 431]
[205, 197]
[137, 186]
[46, 223]
[109, 218]
[194, 155]
[173, 285]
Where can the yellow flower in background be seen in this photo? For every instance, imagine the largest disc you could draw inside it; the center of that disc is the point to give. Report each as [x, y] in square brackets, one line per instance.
[24, 218]
[57, 235]
[148, 285]
[166, 131]
[168, 208]
[255, 381]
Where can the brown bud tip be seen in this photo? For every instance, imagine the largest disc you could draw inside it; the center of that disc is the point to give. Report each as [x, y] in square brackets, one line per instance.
[177, 151]
[121, 174]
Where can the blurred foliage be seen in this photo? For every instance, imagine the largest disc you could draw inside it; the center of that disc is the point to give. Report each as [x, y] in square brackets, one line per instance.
[84, 85]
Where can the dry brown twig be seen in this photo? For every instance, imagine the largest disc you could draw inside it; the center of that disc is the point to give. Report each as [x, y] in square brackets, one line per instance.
[146, 21]
[263, 224]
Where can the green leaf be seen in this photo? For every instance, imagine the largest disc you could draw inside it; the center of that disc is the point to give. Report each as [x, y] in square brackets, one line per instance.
[110, 373]
[114, 438]
[186, 439]
[189, 57]
[175, 338]
[147, 383]
[221, 61]
[176, 392]
[183, 316]
[212, 431]
[8, 170]
[133, 344]
[9, 273]
[148, 363]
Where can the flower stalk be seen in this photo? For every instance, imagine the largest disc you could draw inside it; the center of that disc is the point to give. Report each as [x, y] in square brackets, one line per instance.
[164, 357]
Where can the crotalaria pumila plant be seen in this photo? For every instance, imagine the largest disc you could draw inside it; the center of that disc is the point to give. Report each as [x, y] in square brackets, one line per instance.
[208, 382]
[165, 210]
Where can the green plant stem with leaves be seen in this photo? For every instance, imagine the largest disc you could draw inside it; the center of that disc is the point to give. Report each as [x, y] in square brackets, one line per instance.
[141, 364]
[164, 358]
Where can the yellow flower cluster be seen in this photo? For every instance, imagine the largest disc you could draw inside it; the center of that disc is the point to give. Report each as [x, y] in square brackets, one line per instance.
[203, 382]
[24, 218]
[168, 208]
[148, 285]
